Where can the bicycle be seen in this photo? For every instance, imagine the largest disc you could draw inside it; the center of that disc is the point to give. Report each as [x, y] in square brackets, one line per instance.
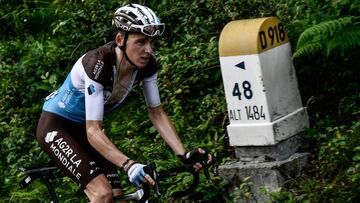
[141, 195]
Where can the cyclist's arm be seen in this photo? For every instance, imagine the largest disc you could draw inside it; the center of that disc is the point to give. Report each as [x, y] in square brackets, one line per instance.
[158, 116]
[166, 129]
[107, 149]
[161, 120]
[102, 143]
[94, 107]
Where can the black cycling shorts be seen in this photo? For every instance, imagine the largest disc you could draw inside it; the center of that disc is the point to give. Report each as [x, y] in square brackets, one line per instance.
[67, 145]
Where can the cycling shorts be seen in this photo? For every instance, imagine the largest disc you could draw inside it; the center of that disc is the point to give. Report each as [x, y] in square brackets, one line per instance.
[66, 143]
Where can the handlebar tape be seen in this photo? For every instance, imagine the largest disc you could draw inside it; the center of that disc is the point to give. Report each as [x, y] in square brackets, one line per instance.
[145, 197]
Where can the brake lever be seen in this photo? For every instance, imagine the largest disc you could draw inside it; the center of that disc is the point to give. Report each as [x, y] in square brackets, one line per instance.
[154, 176]
[203, 161]
[207, 175]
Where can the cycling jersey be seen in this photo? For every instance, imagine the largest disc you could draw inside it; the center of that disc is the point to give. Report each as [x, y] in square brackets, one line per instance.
[95, 85]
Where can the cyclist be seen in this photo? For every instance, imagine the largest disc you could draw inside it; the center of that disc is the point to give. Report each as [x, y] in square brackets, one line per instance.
[70, 126]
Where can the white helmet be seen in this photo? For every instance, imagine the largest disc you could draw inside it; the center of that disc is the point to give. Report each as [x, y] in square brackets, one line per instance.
[137, 18]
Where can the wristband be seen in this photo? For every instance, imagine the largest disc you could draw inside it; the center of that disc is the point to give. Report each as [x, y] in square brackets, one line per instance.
[125, 163]
[128, 166]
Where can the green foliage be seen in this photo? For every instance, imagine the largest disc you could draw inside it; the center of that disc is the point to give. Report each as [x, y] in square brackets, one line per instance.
[40, 40]
[337, 36]
[243, 192]
[335, 179]
[280, 195]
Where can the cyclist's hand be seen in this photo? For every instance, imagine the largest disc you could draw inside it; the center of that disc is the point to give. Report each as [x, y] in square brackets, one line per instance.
[138, 176]
[198, 157]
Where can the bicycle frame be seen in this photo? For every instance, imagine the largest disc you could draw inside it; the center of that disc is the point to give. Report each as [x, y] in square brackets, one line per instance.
[141, 195]
[44, 174]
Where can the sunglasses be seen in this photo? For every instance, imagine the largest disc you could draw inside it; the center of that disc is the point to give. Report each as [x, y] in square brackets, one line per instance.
[151, 29]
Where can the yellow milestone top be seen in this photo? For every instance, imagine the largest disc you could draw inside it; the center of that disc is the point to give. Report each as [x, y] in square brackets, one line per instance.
[252, 36]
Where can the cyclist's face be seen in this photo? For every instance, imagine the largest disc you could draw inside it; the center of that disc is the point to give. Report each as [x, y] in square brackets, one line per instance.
[139, 48]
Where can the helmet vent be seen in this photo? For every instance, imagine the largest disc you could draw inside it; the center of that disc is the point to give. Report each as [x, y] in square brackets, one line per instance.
[138, 18]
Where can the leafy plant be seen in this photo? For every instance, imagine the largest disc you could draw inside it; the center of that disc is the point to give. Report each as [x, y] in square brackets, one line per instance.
[335, 36]
[40, 40]
[336, 165]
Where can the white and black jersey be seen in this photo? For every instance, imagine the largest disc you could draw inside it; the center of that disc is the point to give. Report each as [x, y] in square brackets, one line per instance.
[93, 86]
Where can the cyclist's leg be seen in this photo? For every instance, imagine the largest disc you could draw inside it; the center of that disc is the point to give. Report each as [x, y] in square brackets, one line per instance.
[99, 190]
[112, 176]
[70, 155]
[107, 168]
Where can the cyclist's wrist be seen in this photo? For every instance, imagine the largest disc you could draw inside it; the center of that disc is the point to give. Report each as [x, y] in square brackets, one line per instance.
[194, 156]
[185, 157]
[182, 157]
[127, 164]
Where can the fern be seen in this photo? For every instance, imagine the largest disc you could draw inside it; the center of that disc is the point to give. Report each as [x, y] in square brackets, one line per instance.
[348, 38]
[328, 37]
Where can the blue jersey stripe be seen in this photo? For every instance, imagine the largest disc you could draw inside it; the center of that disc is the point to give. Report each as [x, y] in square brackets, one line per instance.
[68, 102]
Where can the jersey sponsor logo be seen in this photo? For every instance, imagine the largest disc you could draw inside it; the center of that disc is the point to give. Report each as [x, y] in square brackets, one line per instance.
[65, 154]
[52, 95]
[107, 95]
[66, 98]
[91, 89]
[61, 105]
[112, 175]
[94, 167]
[97, 69]
[50, 136]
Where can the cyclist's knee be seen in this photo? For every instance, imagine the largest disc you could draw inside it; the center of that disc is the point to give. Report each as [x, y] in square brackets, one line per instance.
[99, 190]
[117, 191]
[100, 195]
[104, 196]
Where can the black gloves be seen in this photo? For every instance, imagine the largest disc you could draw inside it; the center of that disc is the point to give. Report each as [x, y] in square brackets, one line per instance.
[196, 156]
